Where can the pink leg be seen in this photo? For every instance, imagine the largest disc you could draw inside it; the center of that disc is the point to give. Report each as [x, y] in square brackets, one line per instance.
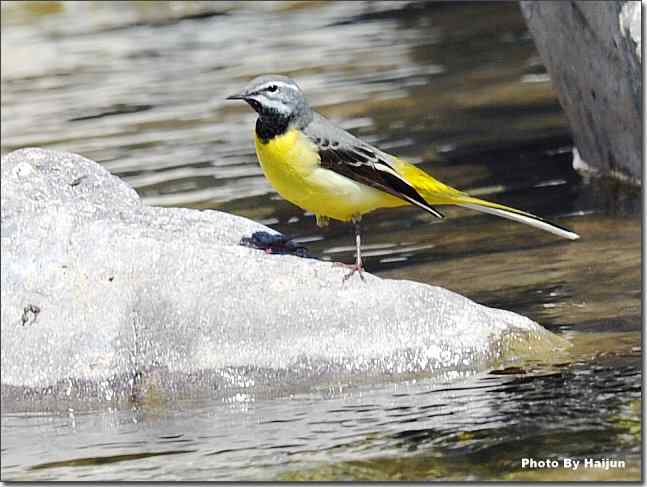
[358, 266]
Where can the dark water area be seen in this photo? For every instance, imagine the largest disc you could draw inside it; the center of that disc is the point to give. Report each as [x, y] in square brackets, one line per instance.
[454, 87]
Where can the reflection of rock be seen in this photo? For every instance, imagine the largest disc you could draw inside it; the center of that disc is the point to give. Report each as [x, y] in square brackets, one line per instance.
[101, 293]
[592, 52]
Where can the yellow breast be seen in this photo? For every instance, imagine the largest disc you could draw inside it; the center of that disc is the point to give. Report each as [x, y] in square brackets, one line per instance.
[291, 163]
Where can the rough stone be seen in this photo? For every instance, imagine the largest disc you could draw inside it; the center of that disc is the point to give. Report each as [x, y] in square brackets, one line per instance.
[105, 299]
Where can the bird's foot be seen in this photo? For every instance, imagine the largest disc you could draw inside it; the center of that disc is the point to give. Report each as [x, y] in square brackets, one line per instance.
[357, 267]
[272, 243]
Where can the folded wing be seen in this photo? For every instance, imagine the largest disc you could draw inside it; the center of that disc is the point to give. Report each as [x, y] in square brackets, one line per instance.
[350, 157]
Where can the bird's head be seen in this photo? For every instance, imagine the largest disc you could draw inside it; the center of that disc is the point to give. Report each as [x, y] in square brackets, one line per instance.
[274, 96]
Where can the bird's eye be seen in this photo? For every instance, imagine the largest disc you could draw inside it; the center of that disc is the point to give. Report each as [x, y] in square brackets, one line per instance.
[272, 88]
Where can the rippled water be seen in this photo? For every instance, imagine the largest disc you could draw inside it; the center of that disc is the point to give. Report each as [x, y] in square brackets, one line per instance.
[454, 87]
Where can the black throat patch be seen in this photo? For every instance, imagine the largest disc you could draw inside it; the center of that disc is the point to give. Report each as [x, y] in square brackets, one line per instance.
[269, 127]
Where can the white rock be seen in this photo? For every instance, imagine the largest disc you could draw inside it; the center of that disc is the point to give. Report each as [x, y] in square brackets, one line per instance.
[630, 20]
[100, 292]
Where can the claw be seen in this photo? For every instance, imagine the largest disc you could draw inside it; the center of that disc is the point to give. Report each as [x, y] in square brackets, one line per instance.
[353, 269]
[359, 268]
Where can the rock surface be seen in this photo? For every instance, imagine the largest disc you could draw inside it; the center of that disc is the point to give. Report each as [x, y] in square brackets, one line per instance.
[103, 298]
[592, 52]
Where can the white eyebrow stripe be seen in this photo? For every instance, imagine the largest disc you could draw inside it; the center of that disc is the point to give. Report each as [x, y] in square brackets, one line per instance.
[277, 83]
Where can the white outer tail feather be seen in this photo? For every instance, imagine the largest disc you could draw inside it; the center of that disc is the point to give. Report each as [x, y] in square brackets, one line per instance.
[533, 222]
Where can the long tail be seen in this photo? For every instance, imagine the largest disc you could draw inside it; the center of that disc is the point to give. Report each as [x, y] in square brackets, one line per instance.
[437, 193]
[518, 216]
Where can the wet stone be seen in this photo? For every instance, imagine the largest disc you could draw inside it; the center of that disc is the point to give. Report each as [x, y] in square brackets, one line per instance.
[103, 296]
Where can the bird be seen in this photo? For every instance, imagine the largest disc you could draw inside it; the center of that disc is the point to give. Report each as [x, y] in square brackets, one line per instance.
[325, 170]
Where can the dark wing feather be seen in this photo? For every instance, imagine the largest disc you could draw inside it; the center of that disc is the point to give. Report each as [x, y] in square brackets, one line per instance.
[363, 165]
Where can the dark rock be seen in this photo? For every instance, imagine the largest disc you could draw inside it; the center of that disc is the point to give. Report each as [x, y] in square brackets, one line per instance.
[592, 52]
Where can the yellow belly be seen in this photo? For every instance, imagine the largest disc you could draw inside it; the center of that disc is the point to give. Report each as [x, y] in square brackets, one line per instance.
[291, 163]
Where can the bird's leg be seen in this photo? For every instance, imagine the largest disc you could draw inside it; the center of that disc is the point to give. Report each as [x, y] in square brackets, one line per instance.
[358, 267]
[358, 246]
[322, 221]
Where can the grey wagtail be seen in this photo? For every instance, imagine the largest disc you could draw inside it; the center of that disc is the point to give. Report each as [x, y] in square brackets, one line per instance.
[325, 170]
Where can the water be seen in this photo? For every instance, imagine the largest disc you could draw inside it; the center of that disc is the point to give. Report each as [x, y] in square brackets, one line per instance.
[454, 87]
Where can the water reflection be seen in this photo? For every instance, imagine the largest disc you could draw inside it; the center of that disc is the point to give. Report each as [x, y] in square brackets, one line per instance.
[489, 422]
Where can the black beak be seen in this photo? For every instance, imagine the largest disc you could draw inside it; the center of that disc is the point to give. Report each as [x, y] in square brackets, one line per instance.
[236, 97]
